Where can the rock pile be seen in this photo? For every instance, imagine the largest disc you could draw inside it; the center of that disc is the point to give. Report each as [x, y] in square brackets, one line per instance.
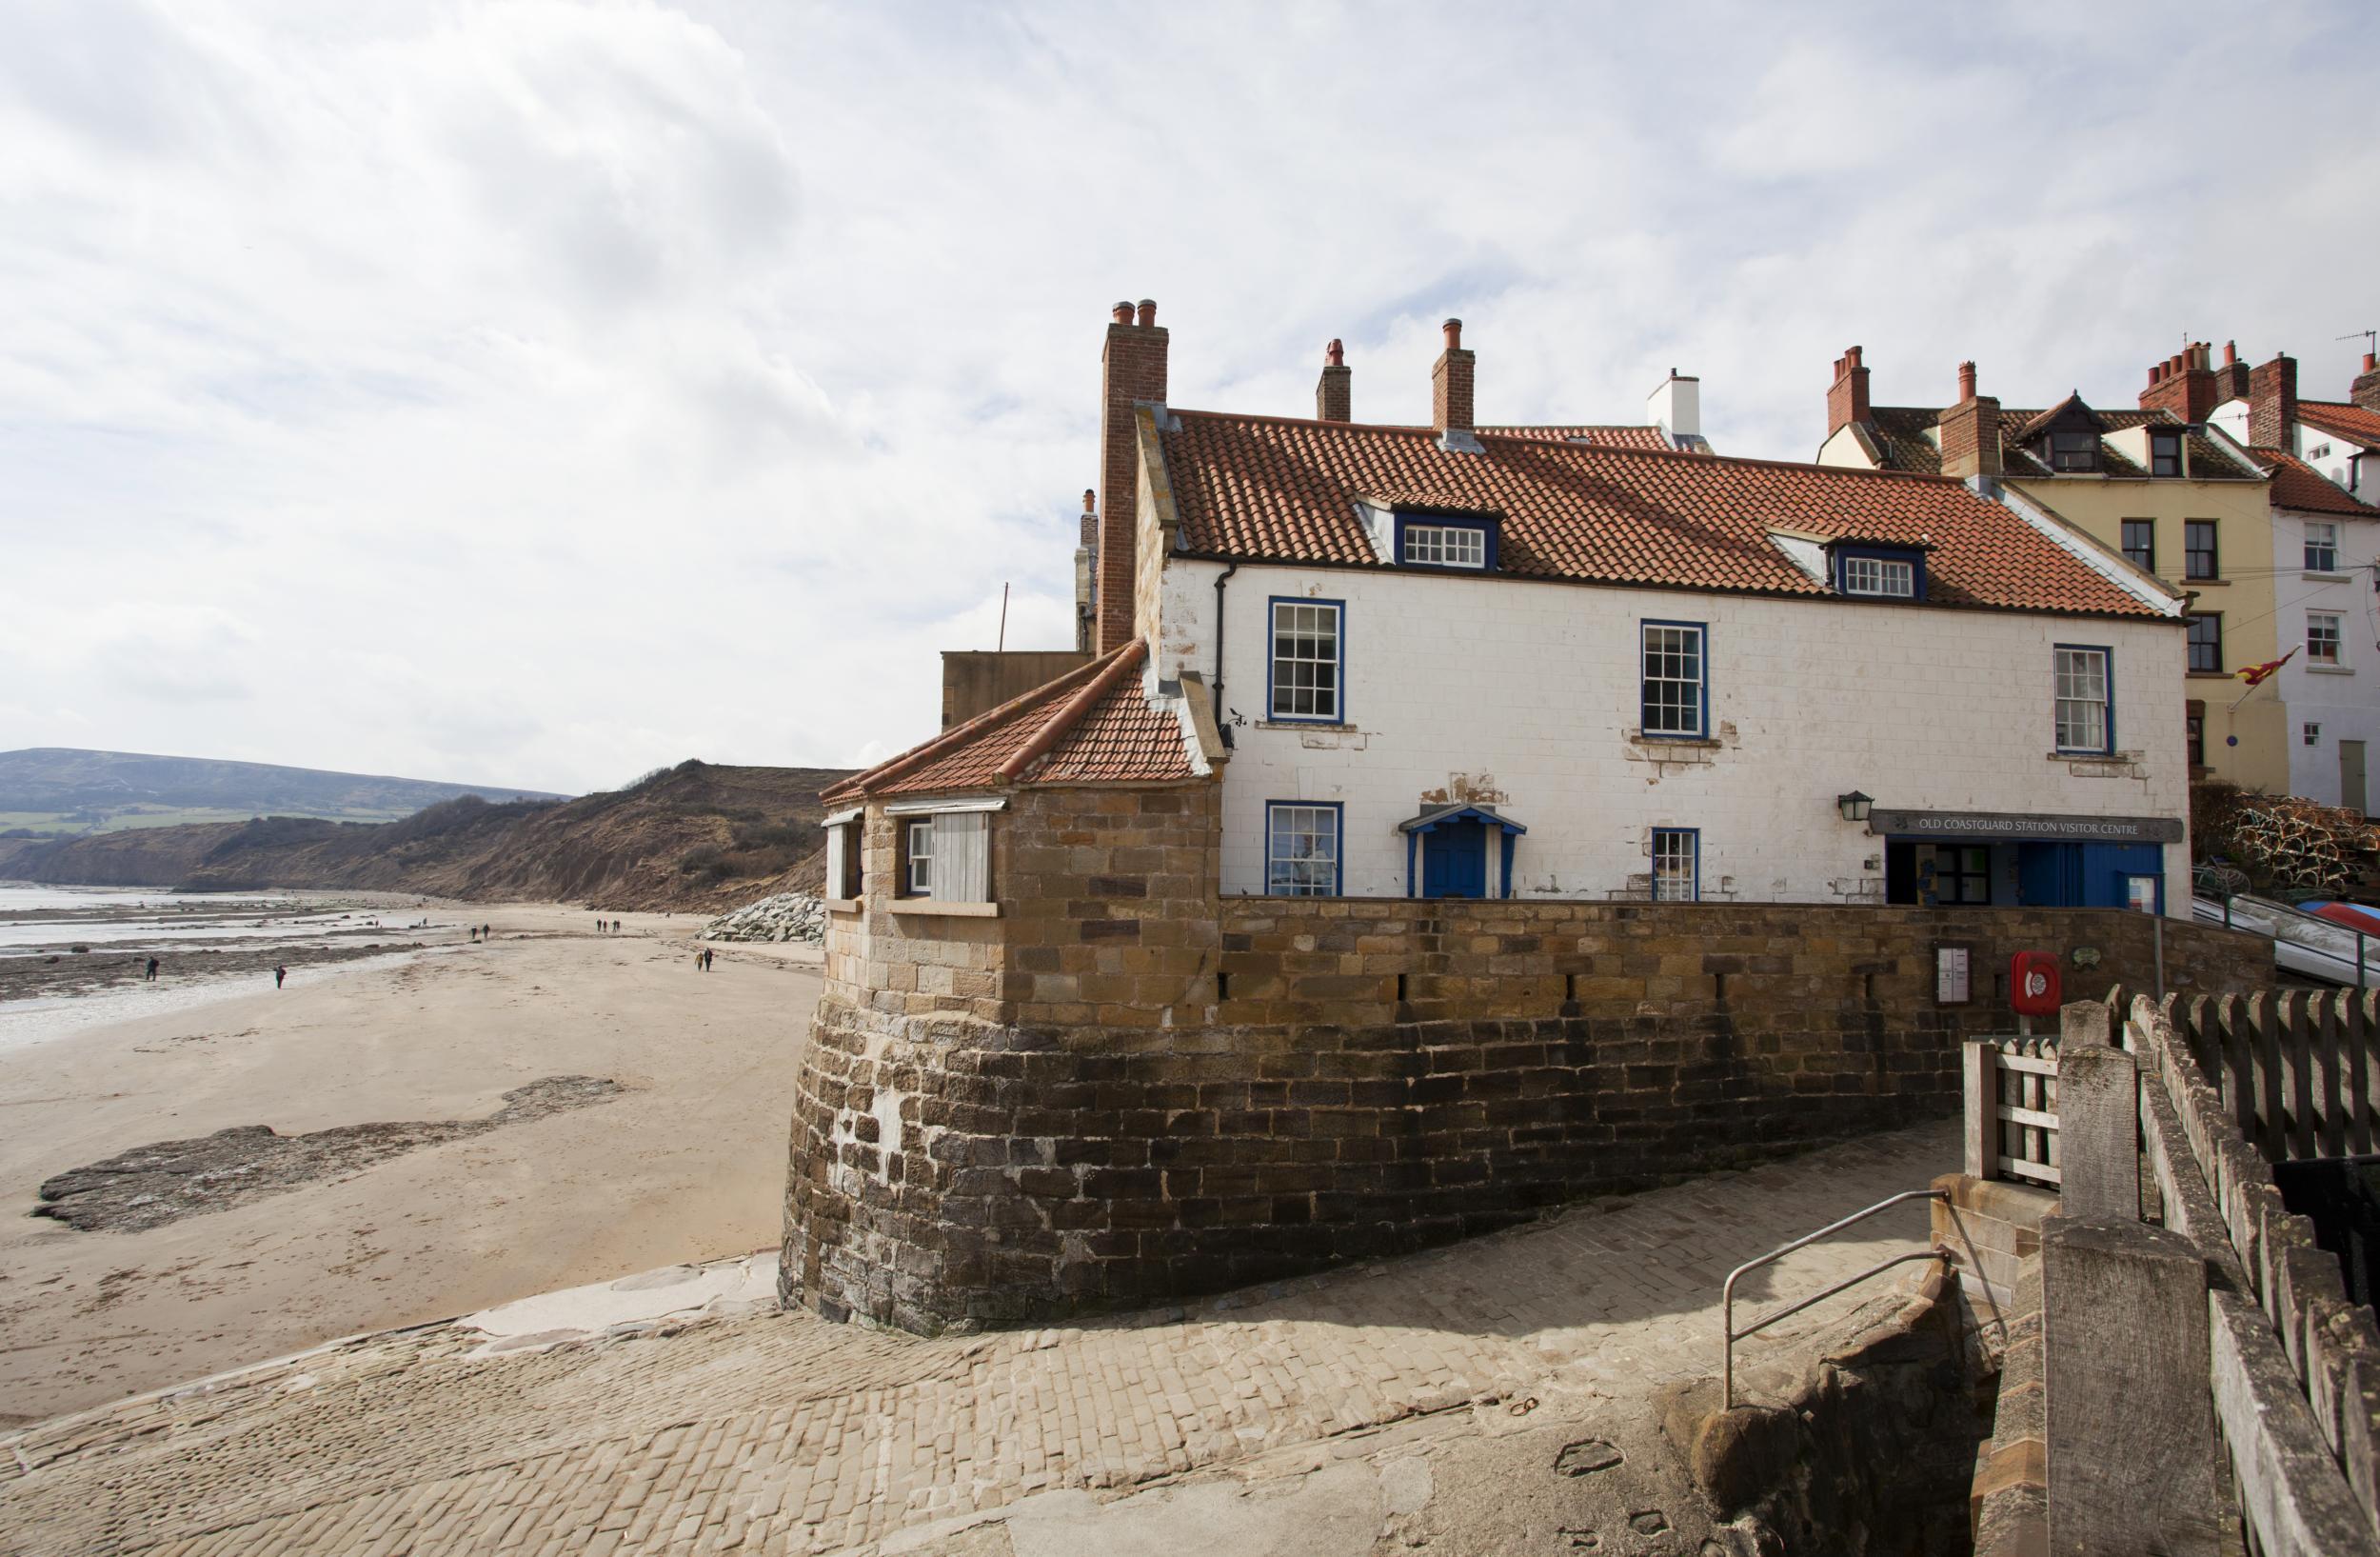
[788, 916]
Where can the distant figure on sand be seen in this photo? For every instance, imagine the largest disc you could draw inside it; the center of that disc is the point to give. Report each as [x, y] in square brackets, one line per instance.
[475, 935]
[152, 971]
[280, 972]
[488, 932]
[706, 959]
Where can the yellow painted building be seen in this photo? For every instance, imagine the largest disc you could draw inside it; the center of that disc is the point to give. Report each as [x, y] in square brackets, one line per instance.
[2183, 505]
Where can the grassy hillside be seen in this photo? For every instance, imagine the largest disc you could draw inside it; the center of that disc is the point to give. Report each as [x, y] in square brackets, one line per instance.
[697, 836]
[62, 792]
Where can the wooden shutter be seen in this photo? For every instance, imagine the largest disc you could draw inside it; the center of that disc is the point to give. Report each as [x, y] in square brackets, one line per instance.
[838, 853]
[963, 857]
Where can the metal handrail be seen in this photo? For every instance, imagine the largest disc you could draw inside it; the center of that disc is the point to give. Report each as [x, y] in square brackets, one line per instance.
[1727, 1293]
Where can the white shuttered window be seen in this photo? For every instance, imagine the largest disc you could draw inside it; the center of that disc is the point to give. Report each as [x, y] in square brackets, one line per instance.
[963, 857]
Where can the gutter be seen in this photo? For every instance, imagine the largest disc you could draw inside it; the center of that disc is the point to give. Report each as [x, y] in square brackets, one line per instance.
[1220, 723]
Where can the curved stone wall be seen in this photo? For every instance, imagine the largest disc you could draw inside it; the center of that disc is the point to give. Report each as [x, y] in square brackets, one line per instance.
[948, 1167]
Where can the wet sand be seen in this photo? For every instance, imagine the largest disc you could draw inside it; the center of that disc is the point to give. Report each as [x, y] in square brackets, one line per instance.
[686, 1163]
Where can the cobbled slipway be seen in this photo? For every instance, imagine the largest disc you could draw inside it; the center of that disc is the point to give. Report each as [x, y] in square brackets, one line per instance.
[779, 1432]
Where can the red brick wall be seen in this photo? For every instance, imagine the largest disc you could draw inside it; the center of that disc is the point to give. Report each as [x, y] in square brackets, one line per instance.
[1971, 438]
[1132, 369]
[1848, 400]
[2272, 403]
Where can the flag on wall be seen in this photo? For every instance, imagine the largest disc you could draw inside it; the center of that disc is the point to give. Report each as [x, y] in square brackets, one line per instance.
[2256, 675]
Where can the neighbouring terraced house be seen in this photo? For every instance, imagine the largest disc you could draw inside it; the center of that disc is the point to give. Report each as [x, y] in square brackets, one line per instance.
[2271, 557]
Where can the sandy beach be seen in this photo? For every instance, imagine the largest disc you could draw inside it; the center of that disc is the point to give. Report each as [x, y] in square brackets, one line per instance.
[682, 1158]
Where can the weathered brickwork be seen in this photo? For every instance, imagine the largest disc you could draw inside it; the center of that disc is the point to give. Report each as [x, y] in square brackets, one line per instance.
[1153, 1092]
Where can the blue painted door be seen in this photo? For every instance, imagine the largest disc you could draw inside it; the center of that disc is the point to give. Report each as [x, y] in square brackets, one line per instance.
[2085, 875]
[1453, 860]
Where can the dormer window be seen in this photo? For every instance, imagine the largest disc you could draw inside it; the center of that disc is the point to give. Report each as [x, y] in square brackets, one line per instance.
[1880, 573]
[1437, 539]
[2074, 452]
[2165, 453]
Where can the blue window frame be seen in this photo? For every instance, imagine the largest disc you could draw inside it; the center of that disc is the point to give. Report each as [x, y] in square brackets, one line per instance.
[1306, 674]
[1673, 665]
[2085, 695]
[1304, 848]
[1459, 543]
[1676, 865]
[1880, 573]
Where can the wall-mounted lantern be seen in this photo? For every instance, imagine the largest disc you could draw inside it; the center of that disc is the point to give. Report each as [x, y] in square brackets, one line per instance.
[1855, 805]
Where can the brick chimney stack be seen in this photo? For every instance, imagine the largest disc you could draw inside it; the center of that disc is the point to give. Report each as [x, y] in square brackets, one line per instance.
[2367, 389]
[1450, 393]
[2231, 376]
[1848, 401]
[1333, 393]
[2273, 402]
[1132, 370]
[2184, 383]
[1969, 430]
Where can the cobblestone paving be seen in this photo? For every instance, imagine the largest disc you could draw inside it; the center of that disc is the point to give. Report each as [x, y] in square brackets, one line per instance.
[781, 1433]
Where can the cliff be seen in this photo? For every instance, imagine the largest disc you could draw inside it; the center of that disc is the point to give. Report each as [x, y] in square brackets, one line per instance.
[697, 836]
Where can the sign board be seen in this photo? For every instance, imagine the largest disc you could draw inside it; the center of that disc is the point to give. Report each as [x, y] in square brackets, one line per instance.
[2027, 825]
[1952, 975]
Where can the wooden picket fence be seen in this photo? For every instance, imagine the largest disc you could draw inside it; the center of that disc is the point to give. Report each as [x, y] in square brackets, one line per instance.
[2299, 1069]
[2011, 1092]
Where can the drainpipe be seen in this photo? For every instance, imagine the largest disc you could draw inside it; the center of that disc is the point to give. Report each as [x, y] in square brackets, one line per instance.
[1222, 723]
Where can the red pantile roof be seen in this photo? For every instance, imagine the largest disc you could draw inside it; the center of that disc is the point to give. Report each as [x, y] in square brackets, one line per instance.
[1092, 724]
[2342, 419]
[1616, 437]
[2297, 484]
[1263, 488]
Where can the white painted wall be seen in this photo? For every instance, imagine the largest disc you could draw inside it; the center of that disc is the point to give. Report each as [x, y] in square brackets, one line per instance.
[2345, 702]
[1527, 690]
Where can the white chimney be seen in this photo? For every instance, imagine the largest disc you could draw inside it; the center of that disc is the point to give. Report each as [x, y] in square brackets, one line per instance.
[1675, 407]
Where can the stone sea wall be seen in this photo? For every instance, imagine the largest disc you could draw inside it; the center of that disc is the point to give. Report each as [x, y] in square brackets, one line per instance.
[1352, 1078]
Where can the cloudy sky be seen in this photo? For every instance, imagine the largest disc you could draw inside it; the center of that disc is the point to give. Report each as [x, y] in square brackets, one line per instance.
[537, 393]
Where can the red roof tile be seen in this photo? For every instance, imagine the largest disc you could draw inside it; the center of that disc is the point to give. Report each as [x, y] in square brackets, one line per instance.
[1283, 490]
[2342, 419]
[1120, 737]
[1614, 437]
[2297, 484]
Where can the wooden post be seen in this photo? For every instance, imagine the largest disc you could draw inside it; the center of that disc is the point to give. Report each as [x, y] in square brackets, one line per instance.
[2329, 1016]
[1982, 1087]
[2292, 1020]
[2128, 1422]
[2239, 1072]
[2098, 1127]
[2355, 1039]
[2270, 1101]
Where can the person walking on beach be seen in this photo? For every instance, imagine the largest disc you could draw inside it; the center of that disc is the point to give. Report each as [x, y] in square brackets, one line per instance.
[152, 971]
[707, 955]
[280, 972]
[488, 932]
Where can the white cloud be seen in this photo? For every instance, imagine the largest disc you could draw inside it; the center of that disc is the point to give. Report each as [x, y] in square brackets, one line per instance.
[539, 393]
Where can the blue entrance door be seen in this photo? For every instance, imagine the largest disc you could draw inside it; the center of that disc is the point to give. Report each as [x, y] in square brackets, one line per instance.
[1453, 860]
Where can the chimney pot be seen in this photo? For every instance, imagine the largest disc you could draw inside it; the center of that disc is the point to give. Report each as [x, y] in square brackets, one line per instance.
[1966, 382]
[1148, 312]
[1090, 499]
[1335, 354]
[2231, 352]
[1454, 334]
[1122, 313]
[2372, 360]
